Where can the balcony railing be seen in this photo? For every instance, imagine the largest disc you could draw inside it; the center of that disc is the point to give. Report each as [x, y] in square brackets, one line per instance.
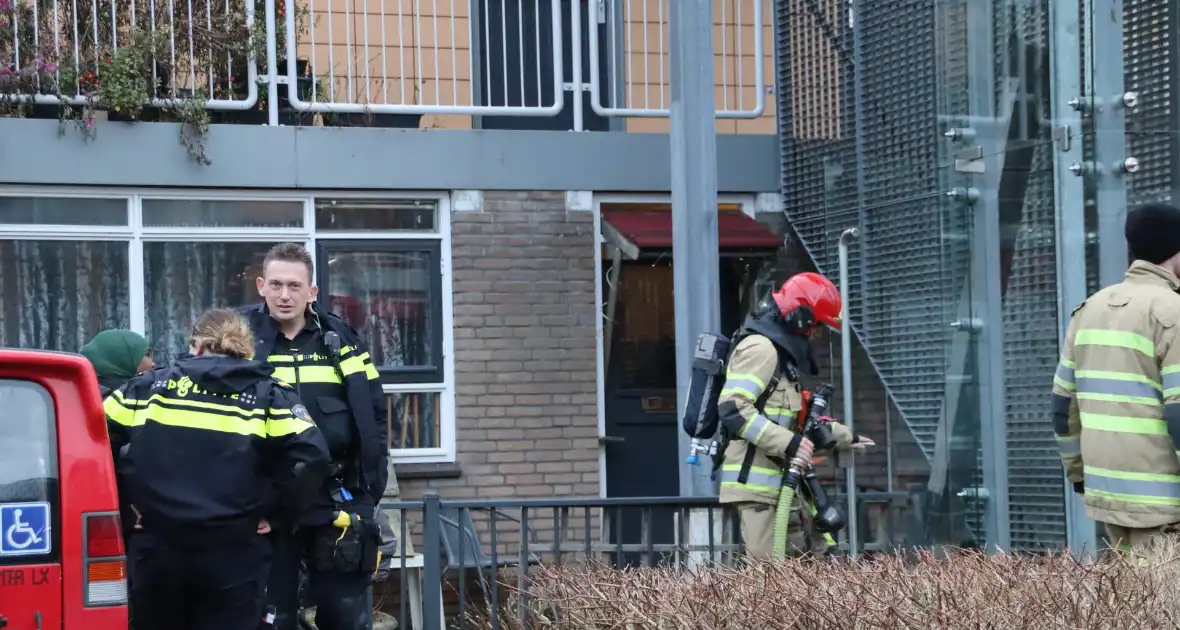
[399, 57]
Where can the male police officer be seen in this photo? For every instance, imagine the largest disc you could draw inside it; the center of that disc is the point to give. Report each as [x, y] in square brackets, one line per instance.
[761, 399]
[1116, 394]
[323, 358]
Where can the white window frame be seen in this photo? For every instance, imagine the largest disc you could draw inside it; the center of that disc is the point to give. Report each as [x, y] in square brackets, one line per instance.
[135, 235]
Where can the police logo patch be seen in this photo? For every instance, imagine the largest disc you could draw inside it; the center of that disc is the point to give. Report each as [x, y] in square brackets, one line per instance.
[300, 412]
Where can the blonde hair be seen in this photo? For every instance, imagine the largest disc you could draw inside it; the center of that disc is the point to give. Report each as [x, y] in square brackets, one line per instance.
[223, 331]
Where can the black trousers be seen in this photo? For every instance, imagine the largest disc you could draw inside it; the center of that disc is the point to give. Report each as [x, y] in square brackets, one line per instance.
[340, 599]
[181, 586]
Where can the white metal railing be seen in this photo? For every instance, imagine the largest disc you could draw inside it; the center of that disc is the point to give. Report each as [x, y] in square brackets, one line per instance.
[64, 50]
[422, 65]
[446, 57]
[637, 33]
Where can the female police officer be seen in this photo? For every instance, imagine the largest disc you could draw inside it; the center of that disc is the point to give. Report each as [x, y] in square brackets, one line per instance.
[217, 444]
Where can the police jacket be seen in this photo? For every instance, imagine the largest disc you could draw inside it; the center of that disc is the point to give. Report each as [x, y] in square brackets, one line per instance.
[216, 444]
[758, 406]
[341, 388]
[1116, 400]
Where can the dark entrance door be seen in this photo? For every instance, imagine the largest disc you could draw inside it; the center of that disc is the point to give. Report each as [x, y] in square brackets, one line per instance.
[642, 453]
[515, 75]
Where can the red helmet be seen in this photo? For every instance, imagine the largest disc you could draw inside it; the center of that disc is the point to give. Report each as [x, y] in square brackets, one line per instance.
[815, 292]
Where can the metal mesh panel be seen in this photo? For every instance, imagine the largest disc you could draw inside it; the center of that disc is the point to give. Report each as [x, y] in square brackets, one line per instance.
[1036, 488]
[900, 297]
[1151, 69]
[915, 244]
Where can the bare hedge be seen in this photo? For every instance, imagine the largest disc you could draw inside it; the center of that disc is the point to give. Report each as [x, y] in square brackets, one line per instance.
[954, 591]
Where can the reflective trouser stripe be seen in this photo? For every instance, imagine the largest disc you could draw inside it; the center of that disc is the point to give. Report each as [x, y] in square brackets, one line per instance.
[1143, 488]
[1123, 424]
[759, 479]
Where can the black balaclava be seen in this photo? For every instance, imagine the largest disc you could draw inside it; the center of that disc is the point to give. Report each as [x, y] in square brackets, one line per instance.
[789, 332]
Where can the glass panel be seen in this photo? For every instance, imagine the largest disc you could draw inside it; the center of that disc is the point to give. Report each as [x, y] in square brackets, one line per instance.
[183, 280]
[387, 297]
[62, 211]
[412, 419]
[363, 215]
[28, 472]
[1028, 272]
[645, 321]
[56, 295]
[214, 213]
[28, 443]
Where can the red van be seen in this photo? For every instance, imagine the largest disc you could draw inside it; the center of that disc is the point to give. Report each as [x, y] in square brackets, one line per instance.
[62, 563]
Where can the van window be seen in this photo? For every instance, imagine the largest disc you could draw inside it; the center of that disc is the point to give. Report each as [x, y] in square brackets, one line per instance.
[28, 458]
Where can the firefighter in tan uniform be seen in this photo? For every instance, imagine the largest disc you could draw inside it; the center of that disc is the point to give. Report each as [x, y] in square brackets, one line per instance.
[759, 403]
[1116, 394]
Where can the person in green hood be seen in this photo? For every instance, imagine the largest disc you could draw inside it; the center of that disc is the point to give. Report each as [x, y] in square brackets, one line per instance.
[117, 355]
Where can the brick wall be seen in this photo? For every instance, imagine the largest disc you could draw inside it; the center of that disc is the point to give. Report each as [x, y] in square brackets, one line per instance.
[525, 371]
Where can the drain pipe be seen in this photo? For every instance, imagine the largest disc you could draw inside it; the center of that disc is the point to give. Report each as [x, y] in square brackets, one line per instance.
[846, 373]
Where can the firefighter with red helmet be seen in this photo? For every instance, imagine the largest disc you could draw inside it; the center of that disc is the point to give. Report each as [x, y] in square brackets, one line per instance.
[762, 399]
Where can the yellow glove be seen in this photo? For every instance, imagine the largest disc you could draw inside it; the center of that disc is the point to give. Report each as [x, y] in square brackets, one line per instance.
[343, 522]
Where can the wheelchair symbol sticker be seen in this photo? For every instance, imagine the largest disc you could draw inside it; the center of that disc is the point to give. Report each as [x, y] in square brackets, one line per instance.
[24, 529]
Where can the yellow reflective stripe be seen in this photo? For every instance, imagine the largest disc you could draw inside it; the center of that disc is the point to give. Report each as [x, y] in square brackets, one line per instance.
[1064, 376]
[1063, 384]
[1131, 498]
[278, 427]
[754, 428]
[1118, 376]
[1119, 398]
[119, 413]
[749, 486]
[1069, 445]
[1133, 476]
[746, 386]
[307, 374]
[1123, 424]
[206, 421]
[1068, 363]
[1116, 339]
[352, 365]
[1171, 377]
[370, 369]
[280, 358]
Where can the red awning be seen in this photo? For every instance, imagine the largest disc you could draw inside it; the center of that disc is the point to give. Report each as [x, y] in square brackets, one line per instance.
[652, 230]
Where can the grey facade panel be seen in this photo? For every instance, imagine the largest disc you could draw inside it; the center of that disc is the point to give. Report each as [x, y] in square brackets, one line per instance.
[148, 154]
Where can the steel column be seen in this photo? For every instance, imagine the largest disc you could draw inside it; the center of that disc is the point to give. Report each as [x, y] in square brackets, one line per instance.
[694, 202]
[846, 374]
[1069, 200]
[1110, 145]
[986, 286]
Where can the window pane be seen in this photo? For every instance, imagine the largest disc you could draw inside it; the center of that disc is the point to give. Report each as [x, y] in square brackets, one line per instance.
[56, 295]
[209, 213]
[363, 214]
[386, 297]
[28, 443]
[183, 280]
[412, 419]
[62, 211]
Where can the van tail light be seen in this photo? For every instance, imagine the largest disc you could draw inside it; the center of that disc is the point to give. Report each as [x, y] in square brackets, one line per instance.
[105, 578]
